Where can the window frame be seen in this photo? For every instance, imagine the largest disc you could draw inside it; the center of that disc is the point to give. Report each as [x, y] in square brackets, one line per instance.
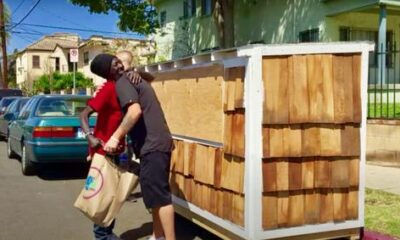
[309, 33]
[36, 61]
[204, 5]
[86, 57]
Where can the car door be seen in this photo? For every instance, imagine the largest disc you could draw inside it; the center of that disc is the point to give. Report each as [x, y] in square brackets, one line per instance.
[17, 126]
[7, 117]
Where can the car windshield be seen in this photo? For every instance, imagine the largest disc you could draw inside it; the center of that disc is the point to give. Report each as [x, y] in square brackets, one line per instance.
[59, 107]
[6, 101]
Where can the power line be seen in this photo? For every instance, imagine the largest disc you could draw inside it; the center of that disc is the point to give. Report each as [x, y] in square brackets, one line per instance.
[26, 15]
[76, 29]
[16, 9]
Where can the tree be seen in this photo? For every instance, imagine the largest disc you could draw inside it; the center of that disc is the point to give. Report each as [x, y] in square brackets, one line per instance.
[138, 16]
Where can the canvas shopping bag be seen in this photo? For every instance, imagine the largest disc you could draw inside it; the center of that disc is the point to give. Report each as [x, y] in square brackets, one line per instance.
[105, 190]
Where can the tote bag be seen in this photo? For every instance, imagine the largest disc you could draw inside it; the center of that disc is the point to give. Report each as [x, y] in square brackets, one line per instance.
[106, 188]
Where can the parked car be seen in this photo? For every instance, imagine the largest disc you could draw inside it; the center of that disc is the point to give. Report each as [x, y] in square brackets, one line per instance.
[47, 130]
[10, 92]
[5, 102]
[11, 114]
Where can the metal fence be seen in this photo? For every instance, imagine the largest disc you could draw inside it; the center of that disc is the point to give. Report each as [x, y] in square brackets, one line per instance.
[384, 85]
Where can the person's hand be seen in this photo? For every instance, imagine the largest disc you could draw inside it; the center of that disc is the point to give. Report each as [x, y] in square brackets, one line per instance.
[111, 145]
[93, 141]
[133, 76]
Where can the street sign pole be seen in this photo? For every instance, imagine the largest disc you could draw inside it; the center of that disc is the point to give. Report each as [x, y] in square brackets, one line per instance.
[74, 57]
[74, 78]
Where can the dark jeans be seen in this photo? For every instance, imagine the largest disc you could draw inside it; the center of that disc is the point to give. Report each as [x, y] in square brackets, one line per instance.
[102, 233]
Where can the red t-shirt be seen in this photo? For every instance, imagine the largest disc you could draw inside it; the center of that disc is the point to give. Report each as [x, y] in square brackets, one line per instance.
[109, 115]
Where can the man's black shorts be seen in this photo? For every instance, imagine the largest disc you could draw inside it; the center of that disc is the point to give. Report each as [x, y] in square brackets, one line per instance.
[154, 176]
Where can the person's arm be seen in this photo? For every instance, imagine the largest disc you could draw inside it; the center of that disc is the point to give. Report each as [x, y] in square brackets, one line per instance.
[84, 119]
[131, 117]
[136, 77]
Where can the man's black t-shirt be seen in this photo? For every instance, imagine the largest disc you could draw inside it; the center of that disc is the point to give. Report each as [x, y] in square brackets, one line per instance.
[151, 132]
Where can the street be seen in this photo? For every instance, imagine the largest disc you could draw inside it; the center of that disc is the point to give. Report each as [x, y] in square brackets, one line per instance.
[41, 207]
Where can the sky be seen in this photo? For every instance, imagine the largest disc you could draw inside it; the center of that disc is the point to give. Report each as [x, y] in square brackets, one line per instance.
[59, 13]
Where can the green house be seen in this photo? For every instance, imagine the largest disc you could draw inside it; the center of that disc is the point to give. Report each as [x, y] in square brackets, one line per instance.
[189, 27]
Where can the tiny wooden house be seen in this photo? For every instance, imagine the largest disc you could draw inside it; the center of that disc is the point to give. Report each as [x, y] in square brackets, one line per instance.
[270, 139]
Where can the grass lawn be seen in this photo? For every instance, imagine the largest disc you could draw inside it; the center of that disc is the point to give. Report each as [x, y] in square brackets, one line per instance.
[382, 212]
[393, 113]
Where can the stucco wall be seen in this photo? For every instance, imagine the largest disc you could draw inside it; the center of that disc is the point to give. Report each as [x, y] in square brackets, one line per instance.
[85, 68]
[383, 140]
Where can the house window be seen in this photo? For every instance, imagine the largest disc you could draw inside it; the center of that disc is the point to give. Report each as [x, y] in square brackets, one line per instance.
[86, 58]
[163, 18]
[70, 64]
[57, 64]
[359, 34]
[206, 7]
[189, 8]
[35, 61]
[311, 35]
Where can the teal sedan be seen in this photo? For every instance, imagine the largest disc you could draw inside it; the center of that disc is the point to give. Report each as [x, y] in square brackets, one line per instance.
[47, 130]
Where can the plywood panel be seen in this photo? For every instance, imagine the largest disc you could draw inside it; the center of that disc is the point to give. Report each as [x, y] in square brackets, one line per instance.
[357, 88]
[230, 83]
[322, 173]
[275, 77]
[238, 122]
[340, 204]
[343, 88]
[298, 90]
[311, 140]
[197, 103]
[296, 208]
[270, 211]
[326, 205]
[340, 173]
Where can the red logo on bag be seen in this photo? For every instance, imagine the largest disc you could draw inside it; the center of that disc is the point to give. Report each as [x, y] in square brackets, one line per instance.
[93, 185]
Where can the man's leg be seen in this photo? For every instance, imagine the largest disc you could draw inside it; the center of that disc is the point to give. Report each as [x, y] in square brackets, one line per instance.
[157, 227]
[103, 233]
[166, 217]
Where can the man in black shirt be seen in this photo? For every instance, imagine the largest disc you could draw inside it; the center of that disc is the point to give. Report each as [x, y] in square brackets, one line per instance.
[151, 139]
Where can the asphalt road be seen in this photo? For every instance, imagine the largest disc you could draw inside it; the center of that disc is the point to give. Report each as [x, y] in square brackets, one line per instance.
[40, 207]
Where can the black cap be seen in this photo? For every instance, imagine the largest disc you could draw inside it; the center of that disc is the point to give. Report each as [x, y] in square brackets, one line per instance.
[101, 65]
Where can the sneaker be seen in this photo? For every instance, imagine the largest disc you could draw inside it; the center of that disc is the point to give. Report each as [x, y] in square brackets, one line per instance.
[113, 237]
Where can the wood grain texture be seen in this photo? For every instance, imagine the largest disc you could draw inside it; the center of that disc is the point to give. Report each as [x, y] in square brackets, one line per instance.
[340, 173]
[187, 190]
[283, 208]
[340, 200]
[307, 173]
[350, 140]
[328, 111]
[266, 141]
[295, 174]
[218, 167]
[322, 173]
[227, 205]
[179, 148]
[296, 208]
[282, 174]
[230, 89]
[352, 204]
[202, 156]
[298, 90]
[192, 156]
[330, 137]
[238, 209]
[292, 141]
[269, 175]
[270, 211]
[310, 140]
[354, 172]
[228, 122]
[275, 77]
[326, 205]
[343, 88]
[238, 143]
[276, 148]
[232, 177]
[311, 207]
[315, 87]
[357, 88]
[239, 86]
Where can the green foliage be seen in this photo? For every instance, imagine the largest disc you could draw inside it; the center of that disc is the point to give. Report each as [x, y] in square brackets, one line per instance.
[61, 82]
[138, 16]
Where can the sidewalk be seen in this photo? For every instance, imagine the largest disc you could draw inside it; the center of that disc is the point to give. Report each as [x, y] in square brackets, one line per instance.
[383, 178]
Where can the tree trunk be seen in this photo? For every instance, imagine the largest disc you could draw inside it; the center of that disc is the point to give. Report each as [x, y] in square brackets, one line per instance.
[223, 15]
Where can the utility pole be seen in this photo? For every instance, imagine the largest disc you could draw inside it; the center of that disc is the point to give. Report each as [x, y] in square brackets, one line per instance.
[3, 44]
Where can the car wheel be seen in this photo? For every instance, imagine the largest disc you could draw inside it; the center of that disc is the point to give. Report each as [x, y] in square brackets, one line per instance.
[10, 152]
[26, 165]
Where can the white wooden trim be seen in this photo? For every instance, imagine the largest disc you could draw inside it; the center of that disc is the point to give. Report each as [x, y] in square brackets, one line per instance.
[253, 95]
[308, 48]
[363, 133]
[309, 229]
[235, 229]
[206, 64]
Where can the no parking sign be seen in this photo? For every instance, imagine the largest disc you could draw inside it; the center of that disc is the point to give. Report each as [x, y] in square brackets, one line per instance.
[73, 55]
